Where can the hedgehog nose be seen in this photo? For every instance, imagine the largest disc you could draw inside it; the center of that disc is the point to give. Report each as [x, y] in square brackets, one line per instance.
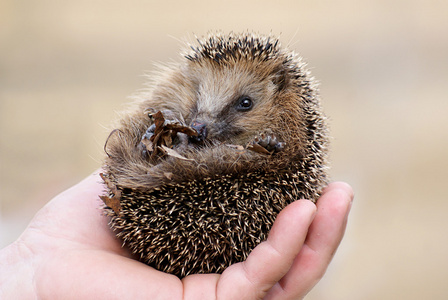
[201, 129]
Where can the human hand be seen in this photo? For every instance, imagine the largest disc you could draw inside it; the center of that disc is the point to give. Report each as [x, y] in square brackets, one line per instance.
[69, 252]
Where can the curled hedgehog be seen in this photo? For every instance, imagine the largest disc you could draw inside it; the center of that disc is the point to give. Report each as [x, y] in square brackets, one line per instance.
[197, 172]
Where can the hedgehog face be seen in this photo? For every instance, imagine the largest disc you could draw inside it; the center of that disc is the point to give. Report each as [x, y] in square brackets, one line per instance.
[231, 104]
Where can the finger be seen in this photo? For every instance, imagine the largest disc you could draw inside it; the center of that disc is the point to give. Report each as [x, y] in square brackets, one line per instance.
[323, 238]
[200, 286]
[328, 229]
[272, 259]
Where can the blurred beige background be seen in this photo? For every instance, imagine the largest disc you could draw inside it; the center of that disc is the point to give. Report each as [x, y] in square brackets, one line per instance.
[67, 67]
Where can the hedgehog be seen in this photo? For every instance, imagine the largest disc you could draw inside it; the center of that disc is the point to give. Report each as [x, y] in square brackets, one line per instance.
[197, 171]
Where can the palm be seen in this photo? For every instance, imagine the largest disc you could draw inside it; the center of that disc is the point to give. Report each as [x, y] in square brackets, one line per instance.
[73, 253]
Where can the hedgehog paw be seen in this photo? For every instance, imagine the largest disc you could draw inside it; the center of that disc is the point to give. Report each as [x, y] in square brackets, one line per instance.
[149, 132]
[145, 145]
[164, 136]
[268, 143]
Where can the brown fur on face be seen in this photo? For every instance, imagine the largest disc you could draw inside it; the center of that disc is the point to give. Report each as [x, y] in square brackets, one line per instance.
[206, 87]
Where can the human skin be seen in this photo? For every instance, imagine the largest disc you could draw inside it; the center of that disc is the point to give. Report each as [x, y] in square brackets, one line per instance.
[69, 252]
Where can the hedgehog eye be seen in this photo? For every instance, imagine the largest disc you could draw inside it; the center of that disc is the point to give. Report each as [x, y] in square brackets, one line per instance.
[244, 104]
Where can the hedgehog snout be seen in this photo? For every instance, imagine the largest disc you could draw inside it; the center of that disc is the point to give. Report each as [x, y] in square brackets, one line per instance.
[201, 128]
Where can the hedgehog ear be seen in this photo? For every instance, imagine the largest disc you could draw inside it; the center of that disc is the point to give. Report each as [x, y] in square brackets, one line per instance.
[281, 79]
